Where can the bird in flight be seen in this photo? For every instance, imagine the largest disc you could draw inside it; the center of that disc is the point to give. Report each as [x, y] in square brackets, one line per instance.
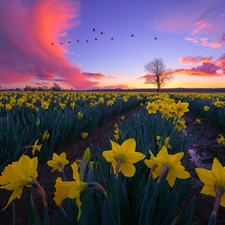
[93, 29]
[102, 32]
[112, 38]
[132, 35]
[96, 39]
[87, 41]
[78, 40]
[155, 38]
[61, 43]
[52, 43]
[69, 42]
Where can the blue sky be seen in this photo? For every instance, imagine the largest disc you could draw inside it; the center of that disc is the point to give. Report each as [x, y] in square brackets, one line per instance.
[190, 40]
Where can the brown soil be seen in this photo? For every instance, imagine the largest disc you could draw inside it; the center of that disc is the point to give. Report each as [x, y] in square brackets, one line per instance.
[206, 146]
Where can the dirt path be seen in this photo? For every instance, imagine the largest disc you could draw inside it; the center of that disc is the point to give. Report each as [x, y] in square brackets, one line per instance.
[205, 143]
[206, 148]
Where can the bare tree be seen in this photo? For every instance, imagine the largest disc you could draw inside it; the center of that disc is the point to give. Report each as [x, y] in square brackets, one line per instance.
[56, 87]
[157, 73]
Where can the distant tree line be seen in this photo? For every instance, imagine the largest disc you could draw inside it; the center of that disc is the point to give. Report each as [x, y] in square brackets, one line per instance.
[55, 87]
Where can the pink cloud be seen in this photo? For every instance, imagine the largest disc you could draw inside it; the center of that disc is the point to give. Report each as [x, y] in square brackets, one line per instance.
[201, 27]
[96, 76]
[222, 38]
[27, 31]
[203, 42]
[194, 60]
[112, 77]
[208, 67]
[194, 40]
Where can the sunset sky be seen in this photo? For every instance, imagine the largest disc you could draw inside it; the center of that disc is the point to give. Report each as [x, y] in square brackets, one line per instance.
[190, 40]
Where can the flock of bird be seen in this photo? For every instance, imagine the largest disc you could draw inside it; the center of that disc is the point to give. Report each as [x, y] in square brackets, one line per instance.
[94, 30]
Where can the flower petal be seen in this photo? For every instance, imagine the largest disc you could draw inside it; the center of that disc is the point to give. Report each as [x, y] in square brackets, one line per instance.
[171, 179]
[222, 203]
[16, 194]
[127, 169]
[128, 146]
[109, 156]
[116, 148]
[76, 175]
[62, 190]
[216, 170]
[9, 174]
[208, 190]
[205, 176]
[179, 172]
[135, 157]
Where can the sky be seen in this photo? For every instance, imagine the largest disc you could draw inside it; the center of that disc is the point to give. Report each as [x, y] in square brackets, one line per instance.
[99, 44]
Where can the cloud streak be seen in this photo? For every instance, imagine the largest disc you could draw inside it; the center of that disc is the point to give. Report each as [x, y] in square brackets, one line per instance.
[204, 66]
[27, 31]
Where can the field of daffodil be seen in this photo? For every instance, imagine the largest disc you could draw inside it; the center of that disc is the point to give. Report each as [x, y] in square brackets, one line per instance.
[140, 178]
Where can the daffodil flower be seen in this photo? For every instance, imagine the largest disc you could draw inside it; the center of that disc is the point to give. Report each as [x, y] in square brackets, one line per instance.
[221, 140]
[58, 162]
[45, 136]
[180, 124]
[152, 107]
[70, 189]
[180, 108]
[18, 175]
[84, 134]
[172, 162]
[123, 157]
[212, 179]
[36, 147]
[206, 108]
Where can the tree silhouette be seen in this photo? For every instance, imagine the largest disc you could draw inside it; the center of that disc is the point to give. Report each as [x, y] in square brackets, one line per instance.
[157, 73]
[56, 87]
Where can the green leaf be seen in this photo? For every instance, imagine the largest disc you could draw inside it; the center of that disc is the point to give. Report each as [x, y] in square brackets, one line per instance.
[31, 210]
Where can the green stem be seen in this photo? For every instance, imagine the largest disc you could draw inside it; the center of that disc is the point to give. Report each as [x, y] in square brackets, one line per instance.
[117, 200]
[46, 217]
[63, 175]
[212, 219]
[13, 214]
[143, 205]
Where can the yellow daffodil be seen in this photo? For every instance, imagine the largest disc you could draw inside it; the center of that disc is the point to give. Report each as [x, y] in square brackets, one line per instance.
[18, 175]
[198, 120]
[221, 140]
[38, 122]
[36, 147]
[110, 102]
[116, 134]
[72, 105]
[45, 136]
[180, 108]
[58, 162]
[80, 115]
[70, 189]
[219, 104]
[172, 162]
[84, 134]
[152, 107]
[206, 108]
[180, 124]
[45, 105]
[123, 157]
[8, 106]
[214, 178]
[166, 142]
